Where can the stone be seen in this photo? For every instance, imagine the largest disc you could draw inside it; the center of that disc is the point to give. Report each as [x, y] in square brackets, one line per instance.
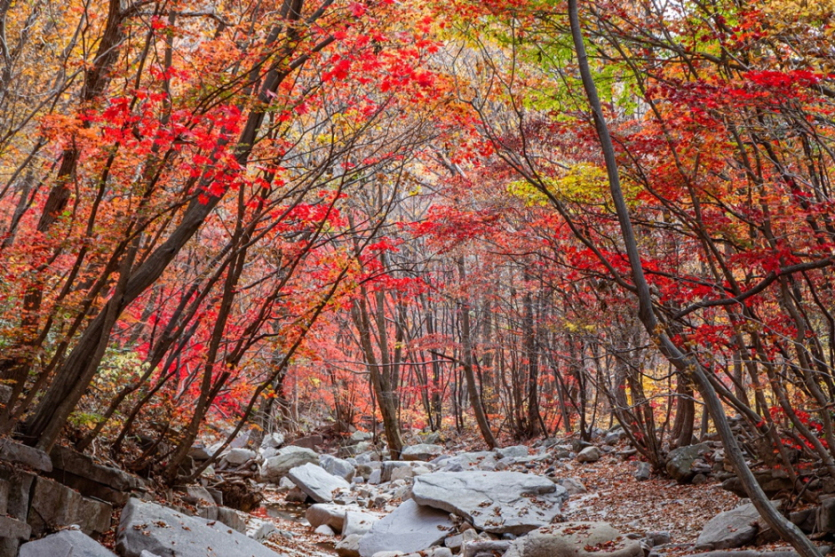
[402, 473]
[337, 467]
[274, 468]
[589, 454]
[439, 552]
[572, 486]
[422, 451]
[324, 530]
[80, 472]
[826, 515]
[388, 467]
[734, 528]
[643, 471]
[273, 441]
[771, 485]
[480, 460]
[316, 482]
[237, 457]
[199, 452]
[349, 546]
[14, 529]
[613, 437]
[575, 539]
[518, 451]
[411, 527]
[680, 462]
[309, 442]
[560, 451]
[201, 498]
[55, 506]
[233, 518]
[257, 529]
[19, 484]
[359, 436]
[4, 496]
[358, 523]
[495, 502]
[67, 543]
[326, 513]
[150, 527]
[18, 453]
[296, 495]
[376, 477]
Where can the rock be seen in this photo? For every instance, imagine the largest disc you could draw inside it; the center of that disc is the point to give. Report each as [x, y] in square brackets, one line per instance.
[481, 460]
[358, 523]
[18, 453]
[613, 437]
[572, 486]
[589, 454]
[273, 441]
[296, 495]
[233, 518]
[55, 506]
[274, 468]
[337, 466]
[167, 533]
[658, 538]
[495, 502]
[411, 527]
[12, 531]
[309, 442]
[387, 469]
[643, 471]
[67, 543]
[680, 462]
[316, 482]
[349, 546]
[359, 436]
[826, 515]
[324, 530]
[326, 513]
[402, 473]
[518, 451]
[201, 498]
[575, 539]
[79, 472]
[771, 485]
[376, 477]
[258, 529]
[730, 529]
[560, 451]
[422, 451]
[236, 457]
[439, 552]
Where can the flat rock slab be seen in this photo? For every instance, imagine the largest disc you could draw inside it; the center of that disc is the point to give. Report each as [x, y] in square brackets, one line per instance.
[317, 482]
[495, 502]
[422, 451]
[168, 533]
[575, 539]
[67, 543]
[287, 458]
[54, 506]
[410, 528]
[18, 453]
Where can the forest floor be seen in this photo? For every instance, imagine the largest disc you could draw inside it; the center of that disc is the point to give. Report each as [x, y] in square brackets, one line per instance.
[613, 495]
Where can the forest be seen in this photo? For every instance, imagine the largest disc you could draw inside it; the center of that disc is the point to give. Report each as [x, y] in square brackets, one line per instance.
[488, 223]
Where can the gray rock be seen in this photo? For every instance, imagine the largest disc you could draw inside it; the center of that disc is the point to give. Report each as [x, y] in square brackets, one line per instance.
[273, 441]
[826, 515]
[375, 477]
[13, 528]
[274, 468]
[81, 473]
[495, 502]
[236, 457]
[359, 436]
[233, 518]
[67, 543]
[560, 451]
[316, 482]
[411, 527]
[200, 497]
[167, 533]
[482, 460]
[572, 486]
[575, 539]
[327, 513]
[422, 451]
[55, 506]
[258, 529]
[199, 451]
[349, 546]
[613, 437]
[337, 466]
[18, 453]
[324, 530]
[643, 471]
[358, 523]
[589, 454]
[733, 528]
[518, 451]
[388, 467]
[680, 461]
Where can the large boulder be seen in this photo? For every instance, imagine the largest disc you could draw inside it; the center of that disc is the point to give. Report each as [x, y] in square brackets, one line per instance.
[734, 528]
[589, 454]
[575, 539]
[422, 451]
[680, 461]
[410, 528]
[316, 482]
[18, 453]
[168, 533]
[358, 523]
[67, 543]
[495, 502]
[480, 460]
[54, 506]
[287, 458]
[80, 472]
